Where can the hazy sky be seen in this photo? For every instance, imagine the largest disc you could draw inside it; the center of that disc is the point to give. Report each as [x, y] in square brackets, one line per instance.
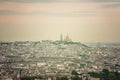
[82, 20]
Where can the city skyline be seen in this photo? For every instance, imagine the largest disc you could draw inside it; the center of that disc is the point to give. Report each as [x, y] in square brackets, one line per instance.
[82, 20]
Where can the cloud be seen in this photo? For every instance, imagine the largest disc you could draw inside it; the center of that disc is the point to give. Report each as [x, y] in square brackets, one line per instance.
[6, 12]
[114, 5]
[33, 1]
[61, 14]
[67, 14]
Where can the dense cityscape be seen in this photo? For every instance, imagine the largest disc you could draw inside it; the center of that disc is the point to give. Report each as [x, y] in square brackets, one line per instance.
[57, 60]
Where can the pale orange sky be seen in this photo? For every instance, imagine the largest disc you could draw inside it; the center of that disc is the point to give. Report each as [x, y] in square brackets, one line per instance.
[82, 21]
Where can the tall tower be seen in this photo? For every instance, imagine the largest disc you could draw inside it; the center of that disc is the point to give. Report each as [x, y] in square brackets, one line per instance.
[67, 38]
[61, 37]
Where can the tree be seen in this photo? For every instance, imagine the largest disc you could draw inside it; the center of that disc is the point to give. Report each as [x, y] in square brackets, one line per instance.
[76, 78]
[74, 72]
[62, 78]
[105, 74]
[112, 76]
[86, 78]
[117, 75]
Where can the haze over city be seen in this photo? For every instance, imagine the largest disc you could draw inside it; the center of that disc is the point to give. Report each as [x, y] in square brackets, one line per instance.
[82, 20]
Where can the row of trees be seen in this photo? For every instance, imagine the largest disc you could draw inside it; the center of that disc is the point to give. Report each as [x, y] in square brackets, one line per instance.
[105, 74]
